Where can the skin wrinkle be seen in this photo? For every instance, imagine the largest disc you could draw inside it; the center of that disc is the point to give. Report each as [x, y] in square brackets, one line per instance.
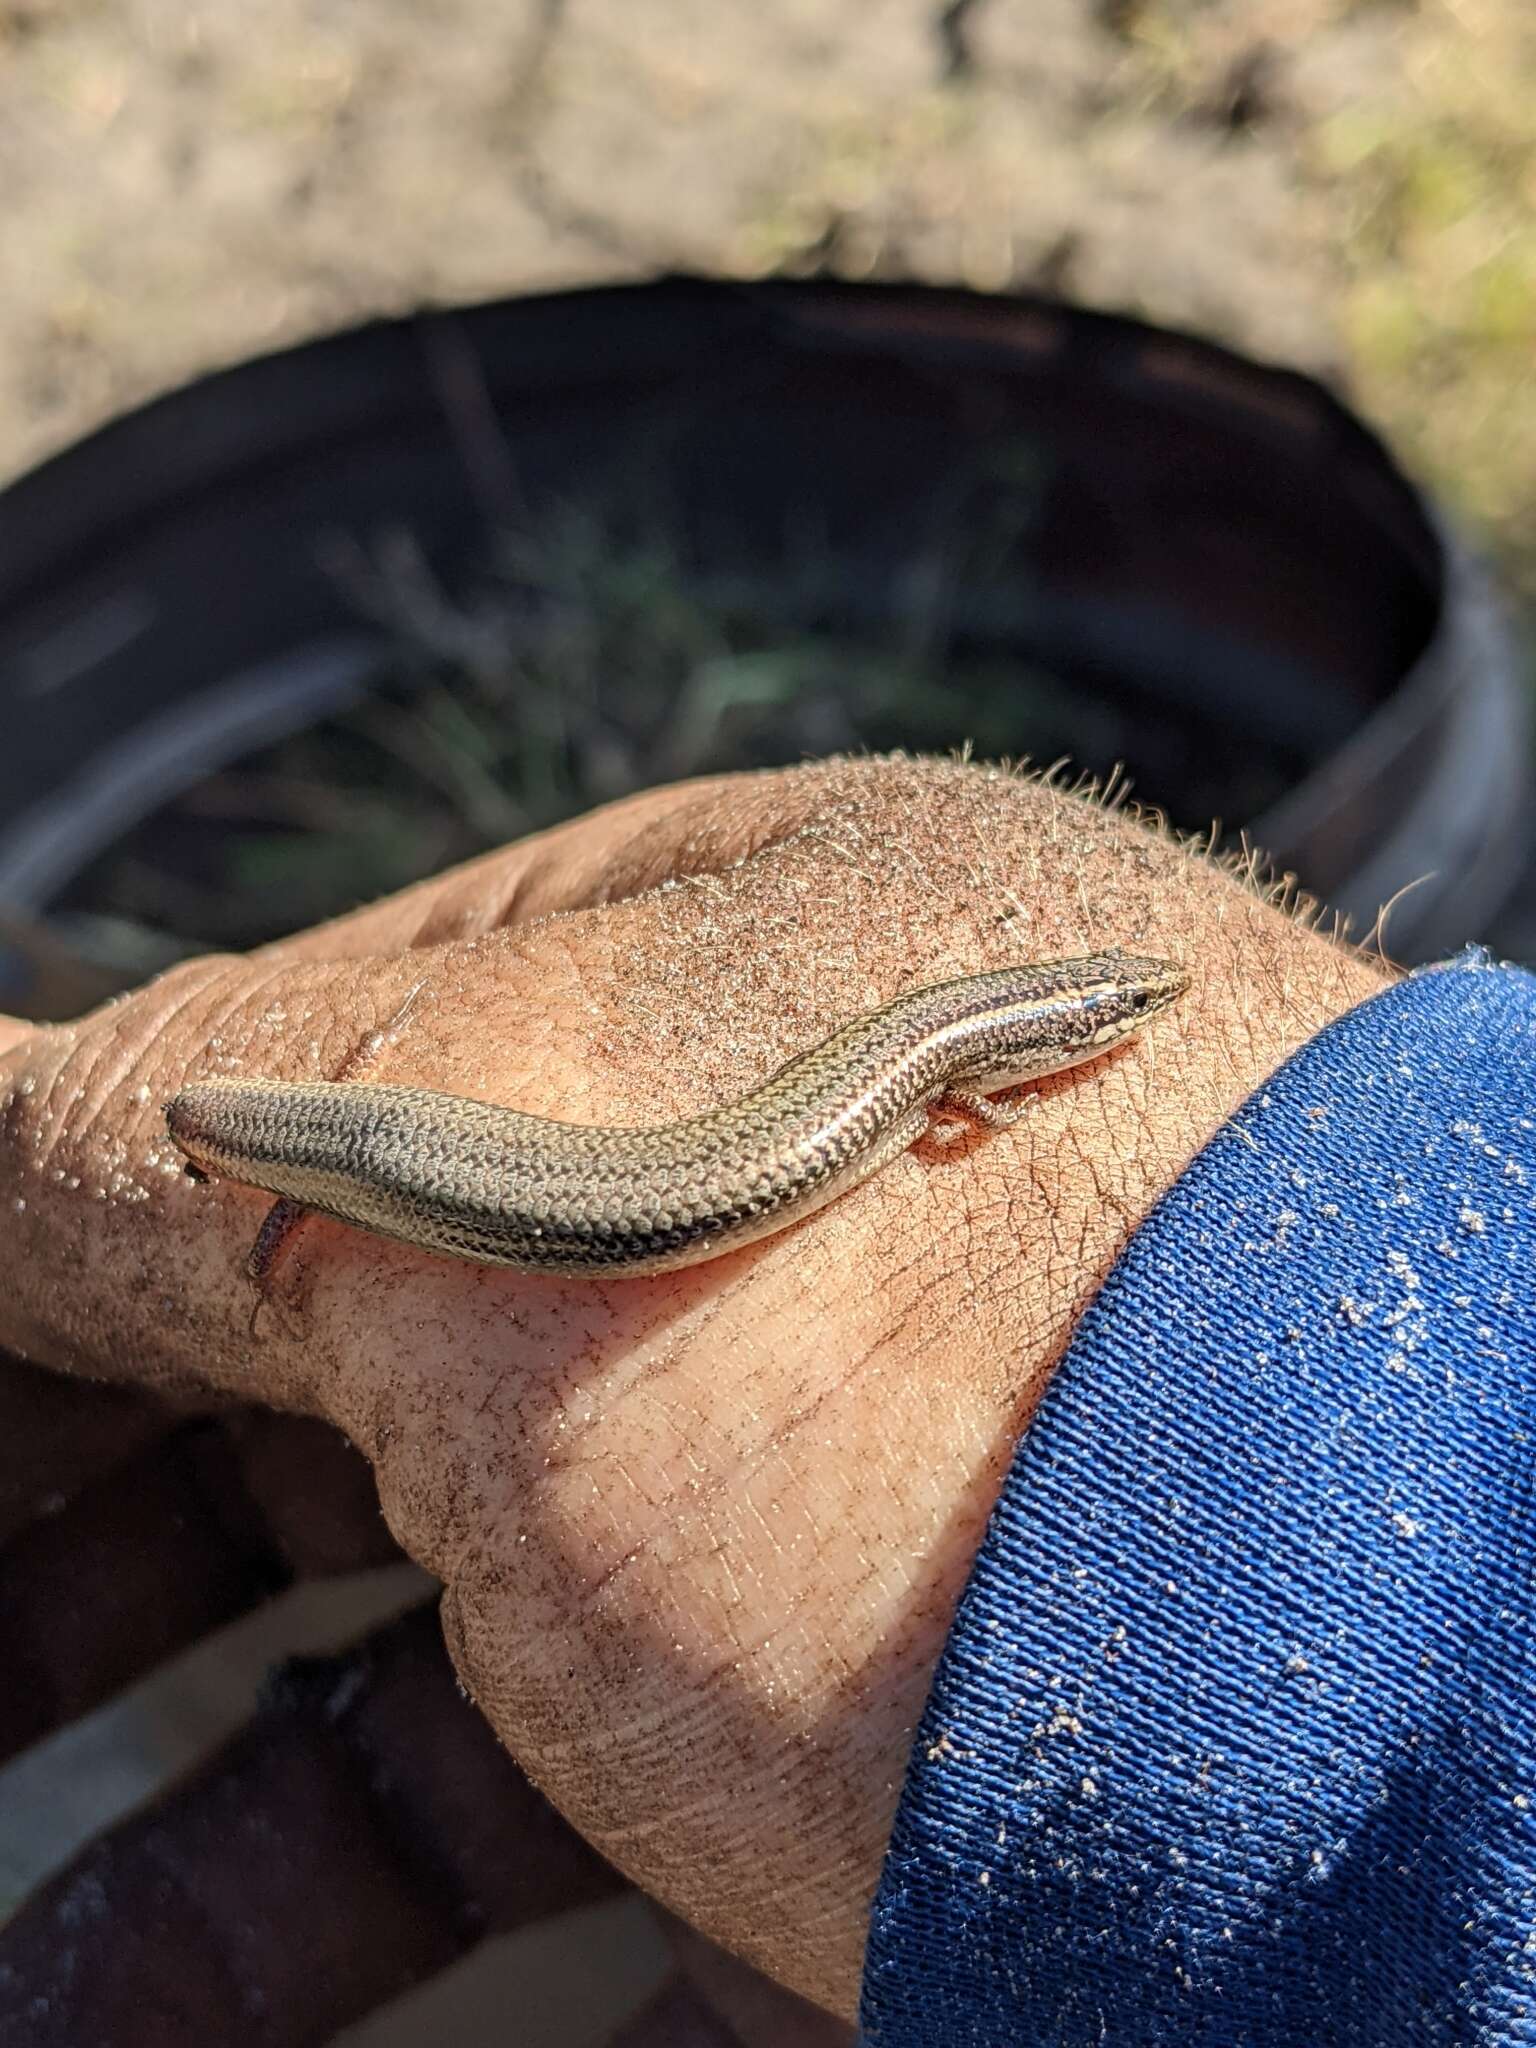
[115, 1069]
[725, 1480]
[915, 1323]
[575, 1460]
[705, 867]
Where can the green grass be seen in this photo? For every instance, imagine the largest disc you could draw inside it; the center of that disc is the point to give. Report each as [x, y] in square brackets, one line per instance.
[580, 666]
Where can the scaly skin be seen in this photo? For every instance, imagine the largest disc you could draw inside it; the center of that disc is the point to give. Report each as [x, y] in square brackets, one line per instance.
[480, 1181]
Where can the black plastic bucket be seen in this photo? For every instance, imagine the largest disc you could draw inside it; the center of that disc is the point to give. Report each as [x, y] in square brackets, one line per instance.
[1219, 560]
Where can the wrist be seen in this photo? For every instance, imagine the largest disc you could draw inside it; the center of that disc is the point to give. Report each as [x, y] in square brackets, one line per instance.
[987, 1272]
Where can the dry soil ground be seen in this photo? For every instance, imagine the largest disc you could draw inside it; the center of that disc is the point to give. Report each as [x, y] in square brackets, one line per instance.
[1345, 184]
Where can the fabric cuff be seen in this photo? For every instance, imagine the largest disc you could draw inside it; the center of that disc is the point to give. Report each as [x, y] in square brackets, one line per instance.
[1233, 1740]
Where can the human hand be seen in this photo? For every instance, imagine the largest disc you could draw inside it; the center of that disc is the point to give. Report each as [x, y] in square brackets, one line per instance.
[700, 1535]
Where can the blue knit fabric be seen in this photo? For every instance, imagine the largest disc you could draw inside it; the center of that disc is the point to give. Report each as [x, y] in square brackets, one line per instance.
[1233, 1743]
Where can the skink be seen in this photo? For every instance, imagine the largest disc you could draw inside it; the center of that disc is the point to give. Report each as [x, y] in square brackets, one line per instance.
[479, 1181]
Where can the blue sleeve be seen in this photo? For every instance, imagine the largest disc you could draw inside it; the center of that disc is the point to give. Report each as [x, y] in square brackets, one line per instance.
[1233, 1742]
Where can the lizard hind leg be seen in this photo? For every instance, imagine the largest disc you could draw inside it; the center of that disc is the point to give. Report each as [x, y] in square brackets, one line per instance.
[979, 1112]
[282, 1220]
[282, 1223]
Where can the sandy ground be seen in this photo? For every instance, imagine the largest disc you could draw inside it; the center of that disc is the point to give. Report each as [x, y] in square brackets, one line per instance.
[1349, 185]
[188, 185]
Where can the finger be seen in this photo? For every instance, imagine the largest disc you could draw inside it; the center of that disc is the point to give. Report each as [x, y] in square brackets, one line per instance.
[365, 1831]
[196, 1527]
[58, 1436]
[678, 2017]
[622, 848]
[698, 2013]
[106, 1267]
[758, 2012]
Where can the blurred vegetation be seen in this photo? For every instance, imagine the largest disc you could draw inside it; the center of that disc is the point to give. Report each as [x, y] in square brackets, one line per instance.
[1425, 187]
[1438, 244]
[581, 663]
